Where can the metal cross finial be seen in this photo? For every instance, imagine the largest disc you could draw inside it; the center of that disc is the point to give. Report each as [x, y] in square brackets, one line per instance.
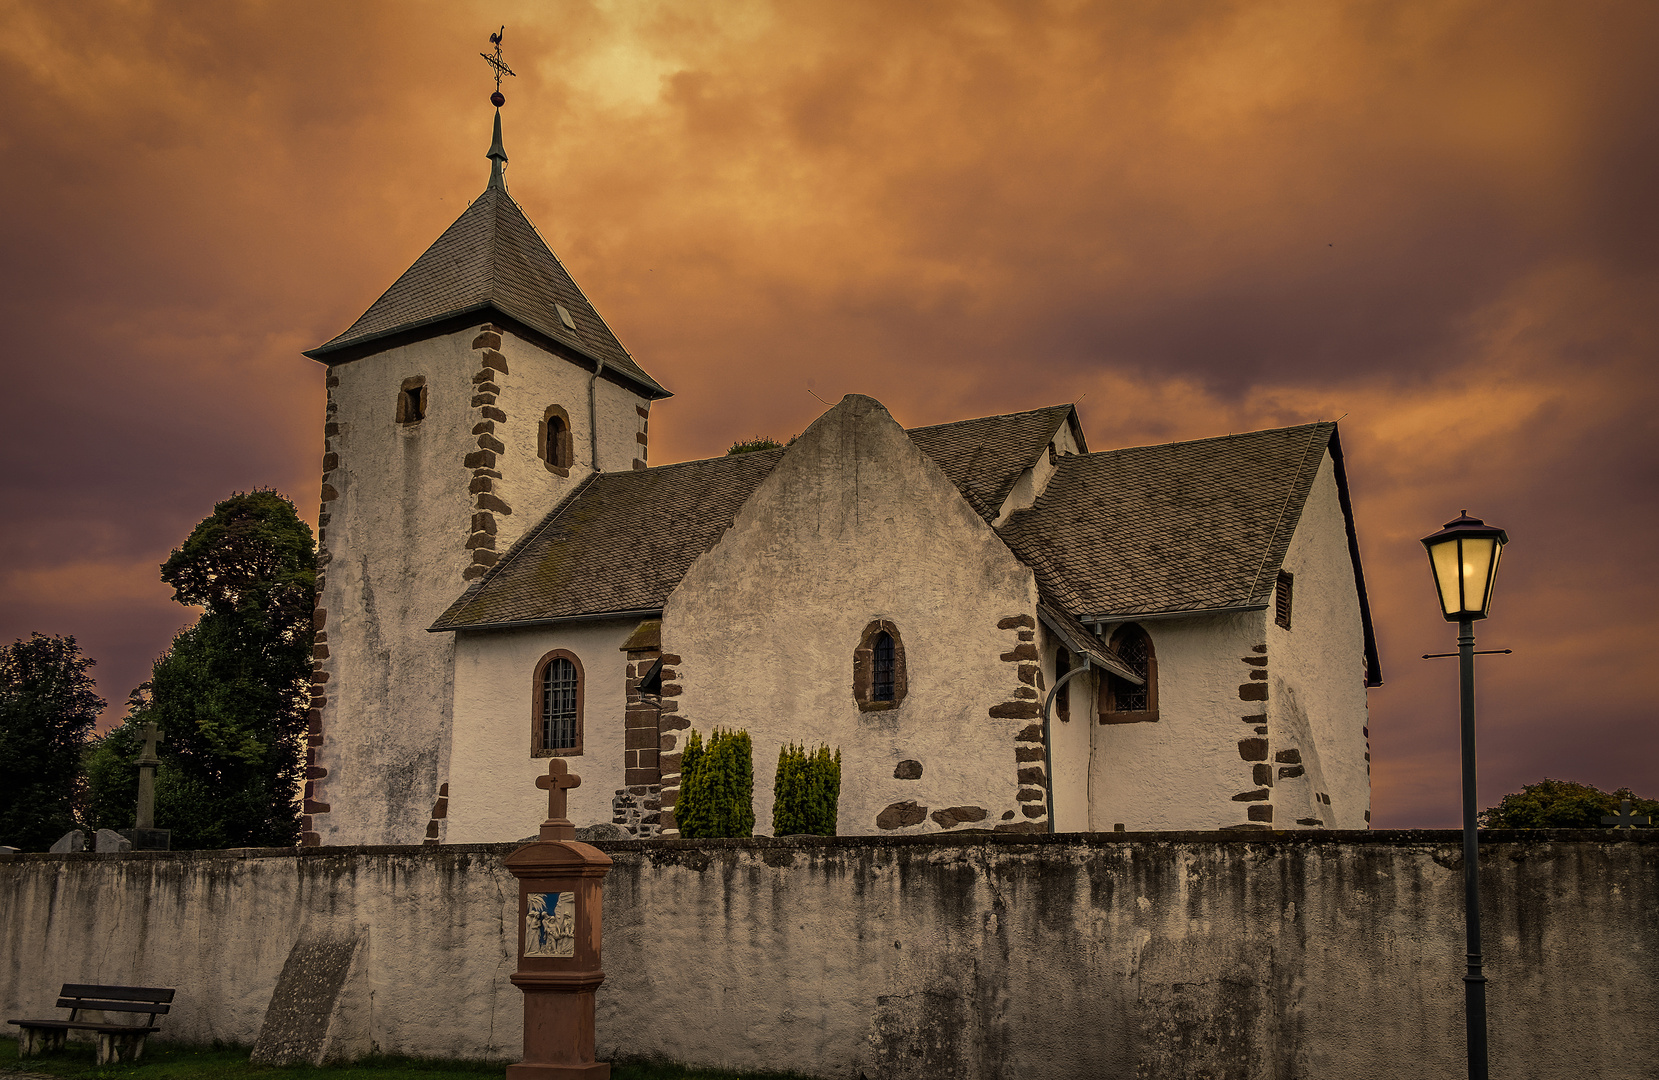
[558, 780]
[1624, 819]
[499, 65]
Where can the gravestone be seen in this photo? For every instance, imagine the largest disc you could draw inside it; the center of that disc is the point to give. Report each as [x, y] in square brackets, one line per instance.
[110, 840]
[319, 1011]
[71, 841]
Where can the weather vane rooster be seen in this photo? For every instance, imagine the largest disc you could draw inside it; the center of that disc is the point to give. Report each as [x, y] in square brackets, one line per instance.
[498, 99]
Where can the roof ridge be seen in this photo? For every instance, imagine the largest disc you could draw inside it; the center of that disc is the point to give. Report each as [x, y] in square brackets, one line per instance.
[574, 283]
[1212, 438]
[992, 416]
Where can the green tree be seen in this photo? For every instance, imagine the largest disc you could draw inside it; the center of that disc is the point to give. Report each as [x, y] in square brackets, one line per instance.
[1562, 804]
[717, 786]
[807, 791]
[48, 704]
[749, 446]
[230, 695]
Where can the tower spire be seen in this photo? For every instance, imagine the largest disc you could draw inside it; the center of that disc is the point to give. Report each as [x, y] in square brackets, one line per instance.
[498, 157]
[498, 153]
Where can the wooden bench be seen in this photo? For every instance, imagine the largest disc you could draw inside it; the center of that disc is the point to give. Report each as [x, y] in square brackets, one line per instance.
[116, 1042]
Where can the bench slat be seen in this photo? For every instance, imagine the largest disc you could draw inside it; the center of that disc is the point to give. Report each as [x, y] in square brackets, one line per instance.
[112, 1006]
[76, 1025]
[116, 993]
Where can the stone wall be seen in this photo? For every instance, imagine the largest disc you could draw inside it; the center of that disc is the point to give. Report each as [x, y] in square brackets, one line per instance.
[1282, 955]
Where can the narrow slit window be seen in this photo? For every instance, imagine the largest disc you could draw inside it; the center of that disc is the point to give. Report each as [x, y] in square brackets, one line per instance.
[1282, 595]
[1062, 668]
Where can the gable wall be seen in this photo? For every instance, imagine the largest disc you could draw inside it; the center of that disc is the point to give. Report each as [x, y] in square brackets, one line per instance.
[1318, 701]
[854, 525]
[493, 796]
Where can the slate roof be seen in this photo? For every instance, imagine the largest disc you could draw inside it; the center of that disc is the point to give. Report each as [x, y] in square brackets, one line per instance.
[492, 258]
[1179, 527]
[622, 541]
[985, 456]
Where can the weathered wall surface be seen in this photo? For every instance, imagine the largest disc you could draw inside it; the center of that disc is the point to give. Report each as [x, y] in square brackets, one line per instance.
[411, 513]
[1316, 672]
[856, 525]
[1182, 771]
[1304, 955]
[492, 793]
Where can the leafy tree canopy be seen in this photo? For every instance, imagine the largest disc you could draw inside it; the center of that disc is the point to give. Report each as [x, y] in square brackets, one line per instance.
[759, 442]
[1561, 804]
[48, 704]
[230, 695]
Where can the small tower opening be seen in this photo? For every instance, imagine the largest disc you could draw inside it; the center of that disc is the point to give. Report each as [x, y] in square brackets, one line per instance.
[411, 400]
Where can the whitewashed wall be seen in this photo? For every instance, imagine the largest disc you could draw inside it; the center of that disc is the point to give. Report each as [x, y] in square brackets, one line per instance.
[1182, 771]
[396, 542]
[1302, 956]
[1317, 704]
[1070, 743]
[856, 524]
[492, 790]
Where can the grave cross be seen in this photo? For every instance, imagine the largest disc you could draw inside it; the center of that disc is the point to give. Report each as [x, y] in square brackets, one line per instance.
[558, 780]
[1624, 819]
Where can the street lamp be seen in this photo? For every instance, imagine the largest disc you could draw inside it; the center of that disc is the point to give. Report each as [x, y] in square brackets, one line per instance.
[1464, 558]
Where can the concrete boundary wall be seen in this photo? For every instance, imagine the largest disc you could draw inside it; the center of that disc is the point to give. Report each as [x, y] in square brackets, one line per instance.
[1308, 954]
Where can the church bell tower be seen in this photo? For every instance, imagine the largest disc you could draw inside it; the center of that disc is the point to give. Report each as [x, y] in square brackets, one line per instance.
[474, 395]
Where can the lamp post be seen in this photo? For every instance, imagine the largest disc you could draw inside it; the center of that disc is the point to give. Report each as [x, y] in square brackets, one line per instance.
[1464, 559]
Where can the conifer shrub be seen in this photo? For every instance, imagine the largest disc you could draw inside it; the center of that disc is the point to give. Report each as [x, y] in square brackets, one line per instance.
[717, 786]
[807, 791]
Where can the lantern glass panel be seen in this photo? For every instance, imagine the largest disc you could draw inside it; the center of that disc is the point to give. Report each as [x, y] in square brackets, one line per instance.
[1478, 555]
[1444, 557]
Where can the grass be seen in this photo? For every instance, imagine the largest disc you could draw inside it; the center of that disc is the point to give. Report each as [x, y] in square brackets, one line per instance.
[175, 1061]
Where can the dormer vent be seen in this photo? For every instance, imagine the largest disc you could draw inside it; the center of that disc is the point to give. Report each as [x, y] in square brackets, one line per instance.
[564, 316]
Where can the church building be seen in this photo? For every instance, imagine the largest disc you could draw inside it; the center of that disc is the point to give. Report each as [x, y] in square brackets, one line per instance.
[998, 627]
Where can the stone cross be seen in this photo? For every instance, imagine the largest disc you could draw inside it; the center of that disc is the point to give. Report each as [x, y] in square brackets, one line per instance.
[147, 762]
[558, 780]
[1624, 819]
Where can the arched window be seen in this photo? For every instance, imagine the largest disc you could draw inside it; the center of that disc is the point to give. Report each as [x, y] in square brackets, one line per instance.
[881, 686]
[879, 680]
[411, 400]
[1121, 701]
[553, 440]
[556, 722]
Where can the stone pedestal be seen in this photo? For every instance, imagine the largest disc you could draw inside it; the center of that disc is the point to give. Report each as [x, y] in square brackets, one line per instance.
[559, 889]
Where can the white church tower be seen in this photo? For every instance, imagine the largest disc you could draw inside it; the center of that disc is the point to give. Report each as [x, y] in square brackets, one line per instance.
[466, 402]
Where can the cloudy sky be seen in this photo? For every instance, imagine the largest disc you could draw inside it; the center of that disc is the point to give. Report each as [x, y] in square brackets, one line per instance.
[1436, 220]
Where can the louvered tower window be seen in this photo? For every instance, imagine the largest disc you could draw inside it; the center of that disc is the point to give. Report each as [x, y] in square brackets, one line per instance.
[559, 705]
[881, 685]
[1282, 594]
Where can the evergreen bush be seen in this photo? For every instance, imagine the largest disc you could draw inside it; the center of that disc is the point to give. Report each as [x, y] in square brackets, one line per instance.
[807, 791]
[717, 786]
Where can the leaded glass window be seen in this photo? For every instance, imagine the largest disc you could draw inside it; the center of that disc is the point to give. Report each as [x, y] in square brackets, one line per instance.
[881, 687]
[1132, 650]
